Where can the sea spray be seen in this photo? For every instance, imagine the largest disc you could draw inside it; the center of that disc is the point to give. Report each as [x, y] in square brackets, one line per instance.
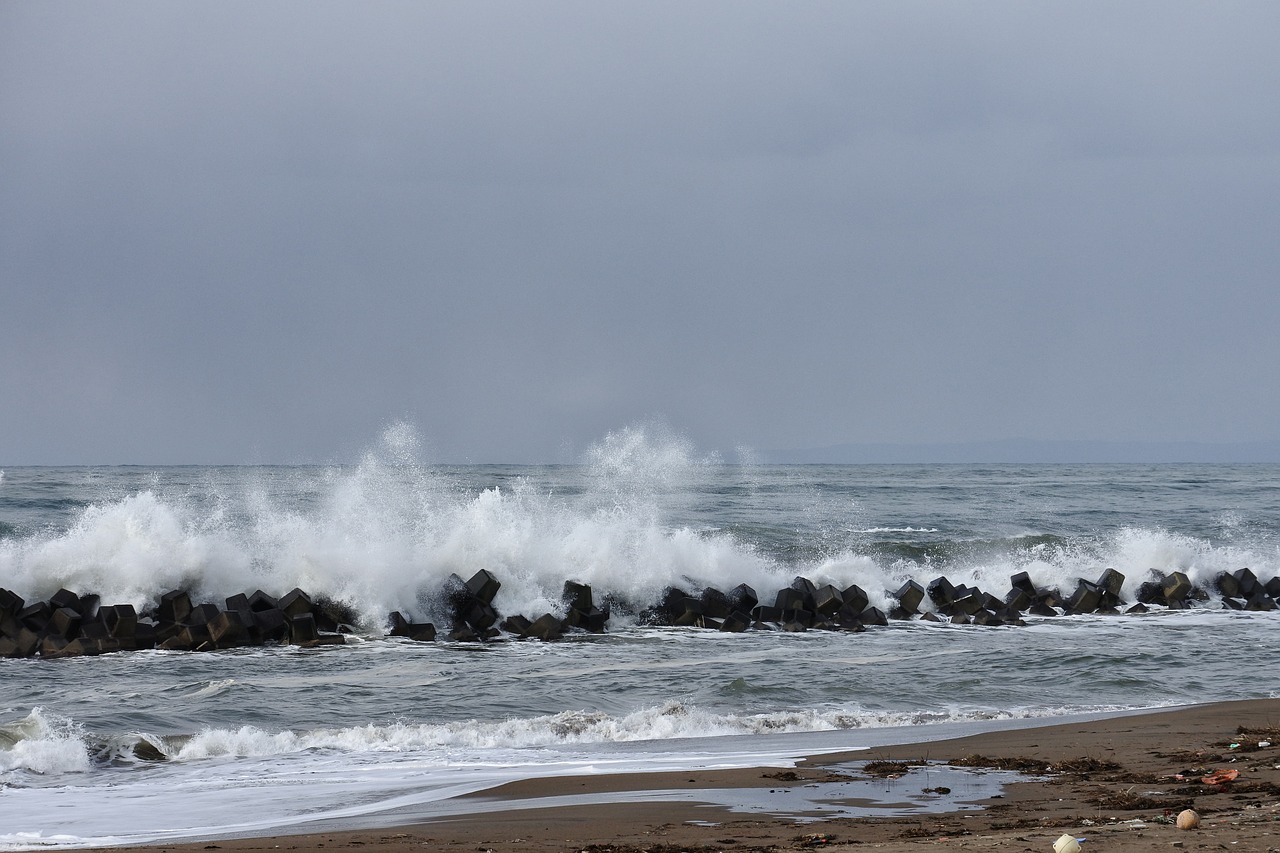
[42, 743]
[643, 512]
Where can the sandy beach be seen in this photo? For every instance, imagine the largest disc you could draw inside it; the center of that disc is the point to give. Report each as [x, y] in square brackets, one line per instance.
[1118, 782]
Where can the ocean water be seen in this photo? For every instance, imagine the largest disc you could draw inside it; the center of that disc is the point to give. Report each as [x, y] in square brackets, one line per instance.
[281, 738]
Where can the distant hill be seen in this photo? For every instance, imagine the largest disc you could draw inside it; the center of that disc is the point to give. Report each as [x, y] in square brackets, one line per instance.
[1027, 451]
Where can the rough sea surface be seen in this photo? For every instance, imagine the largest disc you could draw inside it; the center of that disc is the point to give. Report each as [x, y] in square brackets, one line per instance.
[262, 739]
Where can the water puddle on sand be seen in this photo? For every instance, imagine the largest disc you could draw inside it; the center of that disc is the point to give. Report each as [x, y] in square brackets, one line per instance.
[846, 792]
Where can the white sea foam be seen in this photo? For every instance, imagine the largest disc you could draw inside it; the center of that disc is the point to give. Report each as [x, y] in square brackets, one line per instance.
[669, 721]
[385, 534]
[42, 743]
[900, 530]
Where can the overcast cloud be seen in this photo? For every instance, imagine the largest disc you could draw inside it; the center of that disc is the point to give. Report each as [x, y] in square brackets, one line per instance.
[259, 232]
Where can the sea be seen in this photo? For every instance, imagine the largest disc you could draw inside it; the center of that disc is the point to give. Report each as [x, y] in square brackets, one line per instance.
[155, 746]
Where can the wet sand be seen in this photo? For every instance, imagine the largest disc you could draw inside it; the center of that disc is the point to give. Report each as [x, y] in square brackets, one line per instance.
[1118, 782]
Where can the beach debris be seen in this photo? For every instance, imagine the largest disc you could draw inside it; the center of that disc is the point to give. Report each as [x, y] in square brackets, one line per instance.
[1188, 819]
[1066, 844]
[1082, 766]
[1220, 777]
[817, 839]
[889, 769]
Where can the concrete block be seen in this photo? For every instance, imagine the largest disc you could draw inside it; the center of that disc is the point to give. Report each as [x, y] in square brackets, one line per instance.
[1137, 609]
[799, 616]
[736, 622]
[714, 603]
[64, 598]
[1177, 586]
[484, 586]
[672, 605]
[517, 624]
[88, 606]
[1260, 602]
[22, 644]
[325, 640]
[174, 606]
[1009, 616]
[27, 642]
[230, 628]
[293, 603]
[260, 601]
[202, 614]
[1040, 608]
[1085, 599]
[766, 613]
[986, 618]
[479, 615]
[874, 616]
[743, 598]
[1229, 603]
[577, 596]
[827, 600]
[940, 592]
[9, 625]
[239, 602]
[54, 646]
[195, 636]
[302, 628]
[1111, 582]
[789, 599]
[1272, 587]
[593, 620]
[121, 619]
[546, 627]
[1246, 582]
[689, 618]
[1022, 581]
[36, 616]
[144, 636]
[10, 602]
[1051, 597]
[95, 630]
[855, 598]
[270, 626]
[333, 616]
[909, 596]
[1018, 599]
[970, 601]
[806, 588]
[1226, 585]
[65, 622]
[1152, 591]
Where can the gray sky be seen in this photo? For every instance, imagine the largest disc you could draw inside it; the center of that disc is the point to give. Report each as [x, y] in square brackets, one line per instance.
[258, 232]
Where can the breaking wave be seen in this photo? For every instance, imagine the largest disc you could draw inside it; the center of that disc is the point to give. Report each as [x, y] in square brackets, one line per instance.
[46, 744]
[384, 535]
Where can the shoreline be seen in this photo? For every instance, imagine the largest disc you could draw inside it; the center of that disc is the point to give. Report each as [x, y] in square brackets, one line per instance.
[1111, 777]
